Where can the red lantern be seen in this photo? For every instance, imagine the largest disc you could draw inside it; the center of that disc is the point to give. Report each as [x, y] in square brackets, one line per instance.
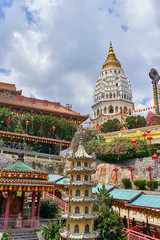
[53, 128]
[134, 141]
[155, 157]
[131, 169]
[116, 170]
[99, 127]
[26, 175]
[149, 139]
[15, 188]
[15, 175]
[4, 174]
[24, 189]
[150, 169]
[40, 189]
[5, 188]
[31, 176]
[26, 122]
[39, 176]
[32, 188]
[148, 131]
[136, 121]
[8, 120]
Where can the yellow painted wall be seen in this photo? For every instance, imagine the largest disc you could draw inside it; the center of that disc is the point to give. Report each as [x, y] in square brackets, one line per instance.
[81, 225]
[81, 207]
[82, 175]
[82, 191]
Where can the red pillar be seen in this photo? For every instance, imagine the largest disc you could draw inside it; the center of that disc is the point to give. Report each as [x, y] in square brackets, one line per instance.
[32, 207]
[147, 220]
[128, 218]
[7, 210]
[22, 202]
[38, 205]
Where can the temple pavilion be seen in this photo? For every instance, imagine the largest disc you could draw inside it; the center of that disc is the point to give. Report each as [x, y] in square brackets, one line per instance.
[15, 181]
[80, 216]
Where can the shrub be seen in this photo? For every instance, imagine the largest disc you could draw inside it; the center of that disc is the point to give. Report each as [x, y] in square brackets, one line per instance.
[127, 183]
[48, 208]
[140, 184]
[152, 185]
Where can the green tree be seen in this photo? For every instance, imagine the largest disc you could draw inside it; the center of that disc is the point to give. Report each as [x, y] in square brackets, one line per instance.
[36, 124]
[132, 124]
[48, 208]
[110, 125]
[108, 222]
[51, 231]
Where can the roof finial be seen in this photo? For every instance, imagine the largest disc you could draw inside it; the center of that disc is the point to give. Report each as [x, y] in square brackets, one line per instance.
[110, 43]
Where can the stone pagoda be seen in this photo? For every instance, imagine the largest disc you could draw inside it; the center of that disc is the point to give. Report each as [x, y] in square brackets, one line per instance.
[112, 92]
[80, 216]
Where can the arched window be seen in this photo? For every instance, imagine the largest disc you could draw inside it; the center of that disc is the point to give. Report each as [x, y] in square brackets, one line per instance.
[86, 193]
[116, 109]
[87, 228]
[68, 227]
[114, 95]
[125, 109]
[70, 192]
[85, 178]
[86, 210]
[107, 95]
[72, 177]
[78, 164]
[110, 109]
[98, 112]
[77, 193]
[70, 209]
[78, 177]
[105, 110]
[86, 164]
[77, 210]
[73, 164]
[76, 229]
[110, 95]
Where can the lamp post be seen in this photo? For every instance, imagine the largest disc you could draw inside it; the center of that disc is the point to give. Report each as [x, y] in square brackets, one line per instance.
[27, 123]
[149, 138]
[144, 135]
[131, 169]
[155, 157]
[53, 128]
[150, 169]
[117, 124]
[116, 170]
[8, 120]
[136, 121]
[134, 142]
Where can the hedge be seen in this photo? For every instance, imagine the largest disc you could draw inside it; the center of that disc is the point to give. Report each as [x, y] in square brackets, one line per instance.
[140, 184]
[127, 183]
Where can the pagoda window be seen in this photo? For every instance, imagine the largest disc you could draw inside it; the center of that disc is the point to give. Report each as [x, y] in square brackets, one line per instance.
[69, 209]
[73, 164]
[71, 192]
[72, 177]
[86, 210]
[98, 112]
[78, 164]
[107, 96]
[86, 193]
[116, 109]
[110, 95]
[68, 227]
[77, 193]
[87, 228]
[86, 164]
[85, 178]
[114, 95]
[78, 178]
[76, 229]
[77, 210]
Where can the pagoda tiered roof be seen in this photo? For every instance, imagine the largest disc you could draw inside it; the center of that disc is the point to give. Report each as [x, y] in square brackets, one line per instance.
[81, 183]
[92, 235]
[79, 199]
[81, 169]
[84, 216]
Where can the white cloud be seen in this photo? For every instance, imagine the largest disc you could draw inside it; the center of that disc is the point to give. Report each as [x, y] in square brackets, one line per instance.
[55, 48]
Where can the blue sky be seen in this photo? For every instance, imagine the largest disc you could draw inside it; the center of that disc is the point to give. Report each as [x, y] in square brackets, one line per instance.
[54, 49]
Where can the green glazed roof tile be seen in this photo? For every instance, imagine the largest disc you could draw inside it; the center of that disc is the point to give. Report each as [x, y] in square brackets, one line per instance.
[123, 194]
[19, 165]
[146, 201]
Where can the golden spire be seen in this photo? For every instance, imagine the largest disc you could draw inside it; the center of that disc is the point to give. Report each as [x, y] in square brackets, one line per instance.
[111, 60]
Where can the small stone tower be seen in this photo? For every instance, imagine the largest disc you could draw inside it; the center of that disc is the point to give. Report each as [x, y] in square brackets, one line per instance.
[80, 216]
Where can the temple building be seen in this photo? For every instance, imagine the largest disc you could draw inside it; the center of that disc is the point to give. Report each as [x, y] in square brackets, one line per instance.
[19, 104]
[80, 216]
[112, 92]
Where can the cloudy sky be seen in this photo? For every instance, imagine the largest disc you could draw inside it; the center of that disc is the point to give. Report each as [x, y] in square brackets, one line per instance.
[54, 49]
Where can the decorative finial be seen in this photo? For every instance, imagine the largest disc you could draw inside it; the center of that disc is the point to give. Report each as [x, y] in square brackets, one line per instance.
[110, 43]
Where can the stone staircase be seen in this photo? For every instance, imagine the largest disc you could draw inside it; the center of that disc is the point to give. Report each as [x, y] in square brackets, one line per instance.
[23, 235]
